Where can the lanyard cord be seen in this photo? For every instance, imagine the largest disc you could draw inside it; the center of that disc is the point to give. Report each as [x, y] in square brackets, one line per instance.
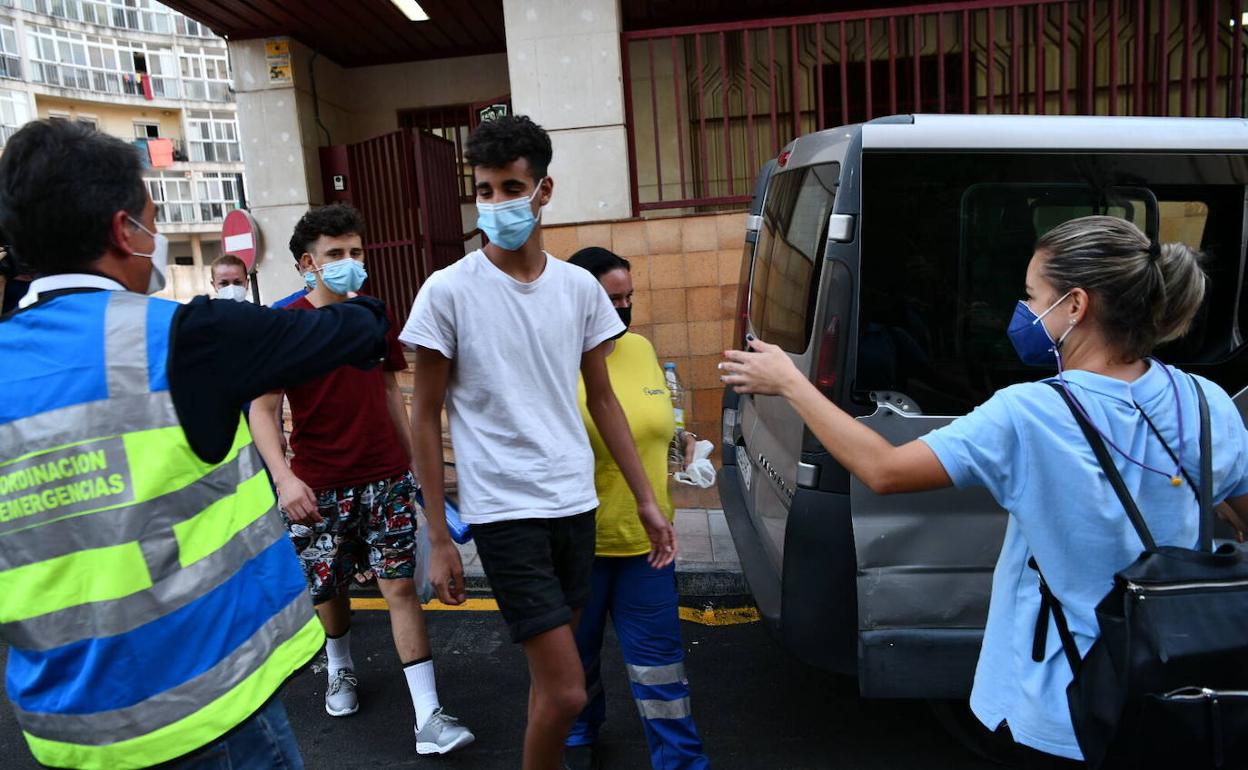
[1176, 478]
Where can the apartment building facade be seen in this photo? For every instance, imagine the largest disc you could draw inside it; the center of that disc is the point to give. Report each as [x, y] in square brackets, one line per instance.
[147, 74]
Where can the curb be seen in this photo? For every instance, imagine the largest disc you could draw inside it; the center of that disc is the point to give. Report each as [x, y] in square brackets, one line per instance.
[697, 583]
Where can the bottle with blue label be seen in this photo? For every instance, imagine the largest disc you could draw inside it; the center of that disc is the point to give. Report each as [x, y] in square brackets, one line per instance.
[676, 451]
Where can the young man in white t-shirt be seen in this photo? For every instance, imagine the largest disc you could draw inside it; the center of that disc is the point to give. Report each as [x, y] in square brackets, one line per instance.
[500, 338]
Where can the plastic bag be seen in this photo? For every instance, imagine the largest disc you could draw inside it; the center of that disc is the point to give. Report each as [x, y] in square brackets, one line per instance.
[700, 472]
[424, 553]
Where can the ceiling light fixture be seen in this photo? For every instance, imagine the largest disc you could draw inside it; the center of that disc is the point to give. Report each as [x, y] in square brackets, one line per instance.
[411, 9]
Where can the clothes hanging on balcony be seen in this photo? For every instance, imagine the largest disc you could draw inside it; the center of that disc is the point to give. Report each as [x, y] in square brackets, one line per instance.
[161, 152]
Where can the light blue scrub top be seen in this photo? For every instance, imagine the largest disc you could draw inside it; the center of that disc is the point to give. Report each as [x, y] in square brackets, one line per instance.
[1024, 445]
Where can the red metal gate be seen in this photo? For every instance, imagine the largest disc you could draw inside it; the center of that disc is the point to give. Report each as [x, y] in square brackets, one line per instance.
[406, 185]
[707, 105]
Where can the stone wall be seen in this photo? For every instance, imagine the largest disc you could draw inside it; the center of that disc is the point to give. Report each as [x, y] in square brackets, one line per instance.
[685, 274]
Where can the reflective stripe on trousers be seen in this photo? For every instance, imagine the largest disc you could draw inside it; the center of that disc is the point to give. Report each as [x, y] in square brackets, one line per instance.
[642, 604]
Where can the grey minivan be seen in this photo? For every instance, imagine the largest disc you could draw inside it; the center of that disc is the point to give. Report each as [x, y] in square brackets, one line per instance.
[886, 258]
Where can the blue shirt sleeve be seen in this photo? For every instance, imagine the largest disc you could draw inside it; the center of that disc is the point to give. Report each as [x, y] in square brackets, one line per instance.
[984, 449]
[1230, 449]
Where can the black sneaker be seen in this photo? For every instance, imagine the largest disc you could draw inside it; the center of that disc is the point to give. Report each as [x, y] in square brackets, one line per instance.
[580, 758]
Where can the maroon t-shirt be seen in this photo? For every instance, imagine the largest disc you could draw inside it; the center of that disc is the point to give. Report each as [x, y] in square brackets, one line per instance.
[343, 434]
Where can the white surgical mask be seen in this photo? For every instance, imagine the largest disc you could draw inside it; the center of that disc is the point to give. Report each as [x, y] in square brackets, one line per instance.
[234, 292]
[159, 257]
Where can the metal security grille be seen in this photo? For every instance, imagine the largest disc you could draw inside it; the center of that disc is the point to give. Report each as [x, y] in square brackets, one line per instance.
[707, 105]
[407, 188]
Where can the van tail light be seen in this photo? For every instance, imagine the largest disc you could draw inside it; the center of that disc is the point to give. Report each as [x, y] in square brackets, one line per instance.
[829, 357]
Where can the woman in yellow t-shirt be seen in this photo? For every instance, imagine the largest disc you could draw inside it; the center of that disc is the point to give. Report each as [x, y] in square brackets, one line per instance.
[641, 600]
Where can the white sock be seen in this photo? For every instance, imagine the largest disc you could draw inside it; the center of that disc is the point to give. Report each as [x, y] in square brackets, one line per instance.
[338, 650]
[423, 688]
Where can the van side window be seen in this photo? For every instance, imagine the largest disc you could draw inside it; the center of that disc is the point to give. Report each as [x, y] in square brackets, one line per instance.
[945, 242]
[789, 254]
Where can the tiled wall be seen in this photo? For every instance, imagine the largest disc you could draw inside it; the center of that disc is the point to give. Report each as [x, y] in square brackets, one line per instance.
[685, 273]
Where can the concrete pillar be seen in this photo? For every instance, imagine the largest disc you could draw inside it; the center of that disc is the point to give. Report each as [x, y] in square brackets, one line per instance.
[197, 250]
[278, 129]
[563, 57]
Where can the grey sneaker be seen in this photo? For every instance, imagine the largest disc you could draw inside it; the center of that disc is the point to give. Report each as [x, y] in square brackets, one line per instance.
[441, 734]
[340, 697]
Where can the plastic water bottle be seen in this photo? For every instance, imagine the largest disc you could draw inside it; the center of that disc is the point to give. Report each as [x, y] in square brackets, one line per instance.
[676, 450]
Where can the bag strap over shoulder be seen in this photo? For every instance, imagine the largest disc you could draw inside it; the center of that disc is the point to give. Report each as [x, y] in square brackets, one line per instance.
[1110, 470]
[1206, 471]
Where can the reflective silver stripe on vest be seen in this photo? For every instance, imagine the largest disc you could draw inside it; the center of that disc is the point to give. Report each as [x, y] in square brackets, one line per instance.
[83, 422]
[165, 708]
[125, 344]
[672, 673]
[88, 621]
[664, 709]
[150, 520]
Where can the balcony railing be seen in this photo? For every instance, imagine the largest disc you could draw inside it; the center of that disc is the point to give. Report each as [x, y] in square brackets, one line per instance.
[124, 83]
[206, 90]
[707, 105]
[6, 133]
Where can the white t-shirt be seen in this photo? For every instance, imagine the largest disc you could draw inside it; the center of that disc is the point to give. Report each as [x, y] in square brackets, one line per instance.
[520, 447]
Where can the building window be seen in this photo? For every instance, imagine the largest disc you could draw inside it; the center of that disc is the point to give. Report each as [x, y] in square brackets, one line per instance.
[206, 74]
[140, 15]
[172, 194]
[146, 130]
[14, 113]
[453, 123]
[219, 194]
[213, 137]
[73, 60]
[88, 121]
[10, 56]
[190, 28]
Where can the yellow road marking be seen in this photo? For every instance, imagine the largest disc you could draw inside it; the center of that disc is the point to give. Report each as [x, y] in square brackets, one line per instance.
[706, 616]
[719, 616]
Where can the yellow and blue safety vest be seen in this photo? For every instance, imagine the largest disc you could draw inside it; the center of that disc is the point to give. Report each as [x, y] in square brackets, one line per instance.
[151, 600]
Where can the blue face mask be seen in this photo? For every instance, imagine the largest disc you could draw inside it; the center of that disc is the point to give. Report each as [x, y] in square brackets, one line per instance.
[344, 276]
[509, 223]
[309, 279]
[1032, 341]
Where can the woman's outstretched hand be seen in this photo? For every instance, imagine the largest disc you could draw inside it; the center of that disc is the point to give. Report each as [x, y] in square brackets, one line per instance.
[764, 369]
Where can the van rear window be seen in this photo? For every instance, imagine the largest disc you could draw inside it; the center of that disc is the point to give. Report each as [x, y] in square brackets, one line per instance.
[945, 242]
[789, 253]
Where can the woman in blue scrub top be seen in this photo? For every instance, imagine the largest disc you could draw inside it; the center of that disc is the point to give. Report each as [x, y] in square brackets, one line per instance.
[1100, 297]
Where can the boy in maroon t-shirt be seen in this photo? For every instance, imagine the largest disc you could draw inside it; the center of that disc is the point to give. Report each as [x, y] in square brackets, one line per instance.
[346, 496]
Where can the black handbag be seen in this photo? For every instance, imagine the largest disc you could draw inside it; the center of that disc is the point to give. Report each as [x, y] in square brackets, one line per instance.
[1166, 682]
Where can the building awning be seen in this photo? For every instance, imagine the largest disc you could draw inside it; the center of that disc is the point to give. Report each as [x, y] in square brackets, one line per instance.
[362, 32]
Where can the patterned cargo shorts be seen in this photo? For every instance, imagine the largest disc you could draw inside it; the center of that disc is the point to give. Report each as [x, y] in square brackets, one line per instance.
[367, 526]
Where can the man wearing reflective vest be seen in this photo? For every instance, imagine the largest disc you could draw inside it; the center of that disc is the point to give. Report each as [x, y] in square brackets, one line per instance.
[151, 602]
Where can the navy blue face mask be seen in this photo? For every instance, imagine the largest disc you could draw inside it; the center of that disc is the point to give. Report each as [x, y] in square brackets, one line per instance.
[1032, 341]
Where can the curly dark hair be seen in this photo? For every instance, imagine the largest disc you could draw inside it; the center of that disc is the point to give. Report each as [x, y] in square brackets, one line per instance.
[333, 220]
[60, 185]
[498, 142]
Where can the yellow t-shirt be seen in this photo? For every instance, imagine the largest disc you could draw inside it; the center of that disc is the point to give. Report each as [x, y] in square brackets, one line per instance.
[638, 382]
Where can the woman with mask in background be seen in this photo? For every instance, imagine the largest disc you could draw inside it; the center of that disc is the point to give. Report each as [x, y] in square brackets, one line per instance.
[641, 600]
[229, 278]
[1100, 297]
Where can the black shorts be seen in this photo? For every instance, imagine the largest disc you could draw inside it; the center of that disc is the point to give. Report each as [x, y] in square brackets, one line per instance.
[539, 569]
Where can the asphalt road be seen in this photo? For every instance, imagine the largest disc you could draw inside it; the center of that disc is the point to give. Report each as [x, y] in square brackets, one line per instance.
[756, 707]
